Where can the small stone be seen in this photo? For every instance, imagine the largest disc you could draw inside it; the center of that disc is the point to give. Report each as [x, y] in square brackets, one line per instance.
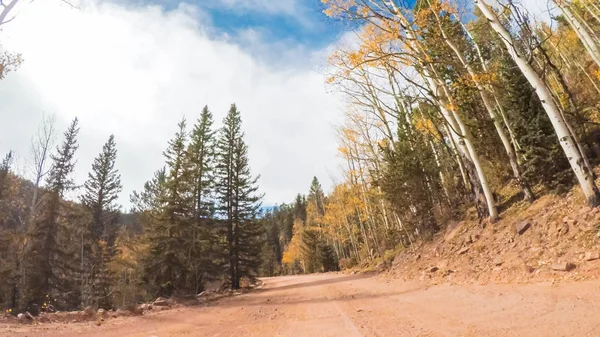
[463, 250]
[564, 266]
[522, 227]
[564, 229]
[161, 302]
[89, 311]
[590, 256]
[529, 269]
[433, 269]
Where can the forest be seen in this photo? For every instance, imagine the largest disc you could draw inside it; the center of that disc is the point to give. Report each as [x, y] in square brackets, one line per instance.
[451, 112]
[194, 222]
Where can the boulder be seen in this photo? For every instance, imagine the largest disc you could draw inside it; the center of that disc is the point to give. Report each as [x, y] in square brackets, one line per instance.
[590, 256]
[522, 227]
[89, 311]
[528, 269]
[161, 302]
[146, 306]
[25, 317]
[133, 309]
[563, 266]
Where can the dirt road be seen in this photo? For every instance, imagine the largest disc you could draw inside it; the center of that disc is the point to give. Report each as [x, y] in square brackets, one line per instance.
[353, 305]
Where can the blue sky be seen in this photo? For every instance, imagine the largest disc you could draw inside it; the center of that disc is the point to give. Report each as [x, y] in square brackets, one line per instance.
[278, 23]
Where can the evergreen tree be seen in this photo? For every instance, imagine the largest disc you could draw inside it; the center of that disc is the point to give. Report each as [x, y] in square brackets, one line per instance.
[8, 256]
[545, 162]
[201, 154]
[202, 241]
[167, 262]
[316, 196]
[4, 170]
[238, 203]
[42, 279]
[101, 192]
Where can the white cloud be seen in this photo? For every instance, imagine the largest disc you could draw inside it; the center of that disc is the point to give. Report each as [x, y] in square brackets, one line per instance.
[135, 71]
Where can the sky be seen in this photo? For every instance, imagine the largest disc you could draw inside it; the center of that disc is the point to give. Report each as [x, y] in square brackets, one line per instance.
[135, 68]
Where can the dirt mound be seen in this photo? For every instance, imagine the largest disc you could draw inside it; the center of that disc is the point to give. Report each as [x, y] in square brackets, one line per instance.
[553, 239]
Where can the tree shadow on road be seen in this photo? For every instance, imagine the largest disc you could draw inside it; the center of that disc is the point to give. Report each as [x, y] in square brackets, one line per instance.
[270, 296]
[315, 283]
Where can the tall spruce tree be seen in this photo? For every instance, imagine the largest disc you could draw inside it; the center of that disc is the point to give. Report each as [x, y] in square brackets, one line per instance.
[167, 262]
[101, 192]
[316, 196]
[41, 277]
[238, 202]
[4, 170]
[201, 241]
[201, 155]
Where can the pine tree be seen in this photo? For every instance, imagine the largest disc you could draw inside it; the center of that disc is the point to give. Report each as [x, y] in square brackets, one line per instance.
[201, 154]
[167, 262]
[545, 162]
[101, 192]
[238, 203]
[4, 170]
[316, 196]
[201, 241]
[8, 236]
[42, 279]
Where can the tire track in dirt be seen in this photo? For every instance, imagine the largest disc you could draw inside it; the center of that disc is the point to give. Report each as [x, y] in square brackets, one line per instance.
[353, 305]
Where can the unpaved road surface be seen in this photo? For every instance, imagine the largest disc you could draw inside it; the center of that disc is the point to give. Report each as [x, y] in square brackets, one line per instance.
[354, 305]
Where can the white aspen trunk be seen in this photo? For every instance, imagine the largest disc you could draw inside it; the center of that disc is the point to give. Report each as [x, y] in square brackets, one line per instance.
[351, 235]
[380, 112]
[439, 166]
[461, 165]
[585, 37]
[575, 157]
[594, 9]
[383, 209]
[465, 139]
[362, 226]
[586, 26]
[410, 240]
[492, 90]
[456, 124]
[590, 78]
[468, 141]
[370, 219]
[508, 147]
[591, 11]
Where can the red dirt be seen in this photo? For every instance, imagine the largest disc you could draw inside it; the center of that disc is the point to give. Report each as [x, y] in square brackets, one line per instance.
[358, 305]
[561, 230]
